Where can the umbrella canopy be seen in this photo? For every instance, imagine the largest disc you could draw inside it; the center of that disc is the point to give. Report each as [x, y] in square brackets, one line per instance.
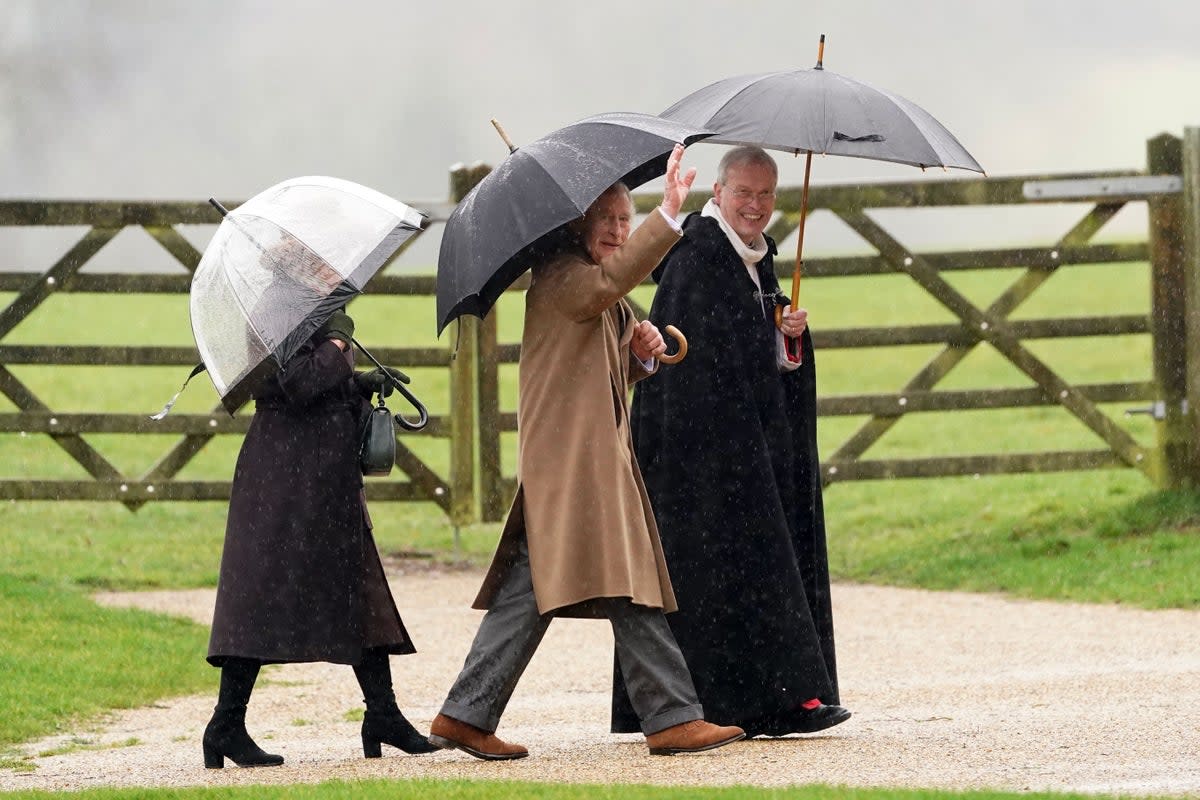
[279, 265]
[539, 187]
[818, 111]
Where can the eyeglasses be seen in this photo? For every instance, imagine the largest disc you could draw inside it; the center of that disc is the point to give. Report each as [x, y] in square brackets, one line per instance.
[742, 195]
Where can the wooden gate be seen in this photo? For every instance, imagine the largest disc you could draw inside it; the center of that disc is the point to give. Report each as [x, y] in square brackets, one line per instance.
[474, 418]
[103, 221]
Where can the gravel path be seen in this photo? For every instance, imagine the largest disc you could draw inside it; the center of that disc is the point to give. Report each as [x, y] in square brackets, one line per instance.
[949, 690]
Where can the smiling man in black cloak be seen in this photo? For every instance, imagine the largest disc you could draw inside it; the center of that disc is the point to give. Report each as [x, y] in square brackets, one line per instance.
[726, 440]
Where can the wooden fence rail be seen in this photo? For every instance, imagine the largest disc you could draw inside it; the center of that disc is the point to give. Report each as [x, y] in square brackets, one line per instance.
[474, 487]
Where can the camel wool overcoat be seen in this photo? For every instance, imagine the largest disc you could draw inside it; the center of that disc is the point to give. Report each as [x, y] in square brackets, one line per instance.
[581, 503]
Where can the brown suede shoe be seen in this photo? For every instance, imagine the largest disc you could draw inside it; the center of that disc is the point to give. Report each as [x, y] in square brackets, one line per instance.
[450, 734]
[692, 737]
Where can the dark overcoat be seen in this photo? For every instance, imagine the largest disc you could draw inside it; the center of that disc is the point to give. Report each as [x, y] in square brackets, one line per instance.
[727, 444]
[300, 577]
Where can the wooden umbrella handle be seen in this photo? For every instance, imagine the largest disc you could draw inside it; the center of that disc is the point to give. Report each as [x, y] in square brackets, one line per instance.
[678, 355]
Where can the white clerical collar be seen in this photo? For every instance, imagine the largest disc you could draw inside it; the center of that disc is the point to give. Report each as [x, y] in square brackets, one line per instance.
[751, 254]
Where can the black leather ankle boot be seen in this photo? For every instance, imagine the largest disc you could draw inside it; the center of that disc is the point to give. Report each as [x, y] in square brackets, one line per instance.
[383, 723]
[390, 727]
[226, 736]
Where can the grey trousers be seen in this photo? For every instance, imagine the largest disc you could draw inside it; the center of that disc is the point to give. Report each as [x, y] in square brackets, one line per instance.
[656, 676]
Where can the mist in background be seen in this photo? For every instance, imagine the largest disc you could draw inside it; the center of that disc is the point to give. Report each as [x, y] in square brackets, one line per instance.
[132, 99]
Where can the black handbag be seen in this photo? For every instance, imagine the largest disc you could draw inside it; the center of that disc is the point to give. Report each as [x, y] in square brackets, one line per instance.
[377, 450]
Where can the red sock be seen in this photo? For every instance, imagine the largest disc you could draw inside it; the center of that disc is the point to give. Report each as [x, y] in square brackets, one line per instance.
[811, 704]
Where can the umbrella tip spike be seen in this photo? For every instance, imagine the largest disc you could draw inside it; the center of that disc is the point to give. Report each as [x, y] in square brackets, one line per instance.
[224, 211]
[821, 53]
[500, 130]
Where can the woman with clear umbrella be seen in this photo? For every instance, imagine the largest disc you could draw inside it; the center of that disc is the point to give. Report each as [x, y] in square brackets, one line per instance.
[301, 579]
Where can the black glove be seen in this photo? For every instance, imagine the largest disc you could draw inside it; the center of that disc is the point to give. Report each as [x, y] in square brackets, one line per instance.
[338, 326]
[377, 382]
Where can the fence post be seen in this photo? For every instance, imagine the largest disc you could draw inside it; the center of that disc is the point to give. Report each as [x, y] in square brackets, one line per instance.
[1174, 457]
[474, 346]
[1191, 270]
[464, 340]
[490, 472]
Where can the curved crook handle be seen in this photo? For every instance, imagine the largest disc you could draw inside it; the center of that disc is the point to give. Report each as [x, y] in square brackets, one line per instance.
[791, 347]
[422, 412]
[676, 357]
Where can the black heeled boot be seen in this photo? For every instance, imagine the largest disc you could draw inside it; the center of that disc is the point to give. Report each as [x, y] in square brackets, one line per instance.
[383, 723]
[226, 732]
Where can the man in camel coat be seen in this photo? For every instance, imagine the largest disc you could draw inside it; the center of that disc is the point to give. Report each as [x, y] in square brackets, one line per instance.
[580, 539]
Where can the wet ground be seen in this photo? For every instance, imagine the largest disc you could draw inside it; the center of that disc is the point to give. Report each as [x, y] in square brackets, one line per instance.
[948, 690]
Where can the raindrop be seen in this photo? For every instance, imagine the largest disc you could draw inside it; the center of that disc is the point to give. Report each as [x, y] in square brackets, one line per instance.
[1140, 456]
[150, 489]
[1054, 255]
[50, 281]
[1062, 395]
[54, 420]
[903, 401]
[439, 491]
[124, 487]
[833, 470]
[908, 261]
[983, 326]
[212, 423]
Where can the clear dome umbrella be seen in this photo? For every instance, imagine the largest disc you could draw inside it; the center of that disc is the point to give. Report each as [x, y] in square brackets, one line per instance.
[279, 265]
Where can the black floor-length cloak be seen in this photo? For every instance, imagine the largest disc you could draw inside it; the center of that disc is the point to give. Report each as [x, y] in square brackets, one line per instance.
[301, 579]
[727, 445]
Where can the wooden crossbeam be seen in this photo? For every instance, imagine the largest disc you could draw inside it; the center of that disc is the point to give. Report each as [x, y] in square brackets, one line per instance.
[70, 263]
[160, 283]
[121, 213]
[147, 356]
[218, 423]
[1012, 463]
[423, 478]
[901, 403]
[136, 494]
[950, 333]
[1050, 258]
[174, 243]
[96, 465]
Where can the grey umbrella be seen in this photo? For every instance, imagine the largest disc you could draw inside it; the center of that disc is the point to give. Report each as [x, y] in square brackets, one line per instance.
[494, 234]
[817, 111]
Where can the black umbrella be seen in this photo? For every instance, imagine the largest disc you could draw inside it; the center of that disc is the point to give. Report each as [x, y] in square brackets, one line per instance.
[490, 238]
[817, 111]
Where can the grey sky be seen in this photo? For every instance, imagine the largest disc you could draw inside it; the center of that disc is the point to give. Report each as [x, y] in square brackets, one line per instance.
[173, 99]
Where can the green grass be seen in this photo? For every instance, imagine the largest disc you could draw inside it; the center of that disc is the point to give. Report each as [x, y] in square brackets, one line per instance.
[489, 790]
[1096, 537]
[1087, 536]
[100, 546]
[65, 658]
